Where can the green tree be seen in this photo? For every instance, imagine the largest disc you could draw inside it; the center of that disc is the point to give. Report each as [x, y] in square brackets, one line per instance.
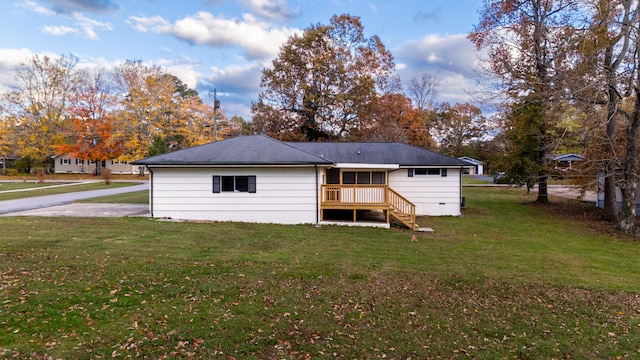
[322, 82]
[158, 147]
[523, 138]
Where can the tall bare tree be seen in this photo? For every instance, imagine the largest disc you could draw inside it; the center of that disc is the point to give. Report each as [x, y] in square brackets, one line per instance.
[40, 102]
[522, 40]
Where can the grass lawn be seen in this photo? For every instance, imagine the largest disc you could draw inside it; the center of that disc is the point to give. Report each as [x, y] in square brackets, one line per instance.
[470, 179]
[46, 189]
[138, 197]
[11, 186]
[507, 280]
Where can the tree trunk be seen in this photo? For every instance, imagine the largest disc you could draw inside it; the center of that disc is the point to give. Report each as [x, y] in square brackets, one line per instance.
[610, 209]
[610, 206]
[627, 221]
[629, 185]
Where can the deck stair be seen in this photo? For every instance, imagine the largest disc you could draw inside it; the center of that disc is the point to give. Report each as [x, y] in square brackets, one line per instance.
[402, 209]
[370, 197]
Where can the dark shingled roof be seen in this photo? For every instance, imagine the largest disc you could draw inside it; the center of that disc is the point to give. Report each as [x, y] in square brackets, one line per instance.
[242, 150]
[378, 153]
[263, 150]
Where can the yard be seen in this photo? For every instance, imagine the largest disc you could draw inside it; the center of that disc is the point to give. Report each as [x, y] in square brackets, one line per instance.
[507, 280]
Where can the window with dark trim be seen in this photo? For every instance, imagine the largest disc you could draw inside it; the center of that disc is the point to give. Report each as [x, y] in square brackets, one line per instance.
[443, 172]
[364, 177]
[426, 171]
[378, 178]
[234, 184]
[349, 177]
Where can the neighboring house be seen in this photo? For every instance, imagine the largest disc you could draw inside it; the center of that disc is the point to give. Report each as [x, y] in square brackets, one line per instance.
[262, 180]
[66, 163]
[476, 166]
[600, 194]
[565, 162]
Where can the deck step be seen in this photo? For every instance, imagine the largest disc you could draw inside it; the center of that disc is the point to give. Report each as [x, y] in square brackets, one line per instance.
[404, 219]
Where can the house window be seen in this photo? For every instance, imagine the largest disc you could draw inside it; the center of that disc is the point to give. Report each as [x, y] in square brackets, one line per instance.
[443, 172]
[333, 176]
[64, 161]
[364, 177]
[118, 162]
[427, 172]
[234, 184]
[378, 178]
[349, 177]
[79, 162]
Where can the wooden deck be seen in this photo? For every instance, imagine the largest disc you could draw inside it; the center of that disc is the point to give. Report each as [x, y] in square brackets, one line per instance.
[368, 197]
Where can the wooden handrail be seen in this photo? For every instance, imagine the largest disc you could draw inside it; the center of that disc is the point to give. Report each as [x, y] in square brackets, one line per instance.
[354, 194]
[401, 204]
[367, 195]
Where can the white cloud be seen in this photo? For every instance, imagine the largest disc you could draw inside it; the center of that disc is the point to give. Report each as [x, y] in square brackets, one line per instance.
[258, 39]
[32, 6]
[9, 60]
[59, 30]
[452, 59]
[144, 24]
[184, 69]
[88, 25]
[272, 9]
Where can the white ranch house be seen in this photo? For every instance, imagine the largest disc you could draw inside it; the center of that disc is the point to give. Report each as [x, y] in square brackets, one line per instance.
[262, 180]
[66, 163]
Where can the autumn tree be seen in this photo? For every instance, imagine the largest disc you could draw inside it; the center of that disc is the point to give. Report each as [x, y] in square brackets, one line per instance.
[396, 121]
[455, 127]
[523, 40]
[157, 104]
[321, 83]
[95, 135]
[5, 137]
[600, 80]
[40, 102]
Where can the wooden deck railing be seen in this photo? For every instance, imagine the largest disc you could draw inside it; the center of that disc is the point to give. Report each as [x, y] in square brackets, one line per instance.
[354, 195]
[364, 197]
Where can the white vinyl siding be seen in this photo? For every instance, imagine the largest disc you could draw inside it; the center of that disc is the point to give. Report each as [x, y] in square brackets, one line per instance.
[433, 195]
[283, 195]
[67, 164]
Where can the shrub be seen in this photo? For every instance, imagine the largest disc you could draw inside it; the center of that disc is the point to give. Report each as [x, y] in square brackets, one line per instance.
[40, 174]
[106, 175]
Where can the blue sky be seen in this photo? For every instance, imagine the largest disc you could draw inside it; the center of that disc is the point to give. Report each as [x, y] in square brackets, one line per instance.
[224, 44]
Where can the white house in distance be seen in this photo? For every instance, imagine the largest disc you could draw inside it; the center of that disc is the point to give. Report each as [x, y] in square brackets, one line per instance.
[476, 165]
[66, 163]
[262, 180]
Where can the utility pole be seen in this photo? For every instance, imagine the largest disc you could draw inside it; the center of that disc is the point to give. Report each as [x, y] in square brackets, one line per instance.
[216, 105]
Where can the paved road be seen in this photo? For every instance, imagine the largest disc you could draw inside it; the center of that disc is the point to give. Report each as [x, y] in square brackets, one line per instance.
[19, 206]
